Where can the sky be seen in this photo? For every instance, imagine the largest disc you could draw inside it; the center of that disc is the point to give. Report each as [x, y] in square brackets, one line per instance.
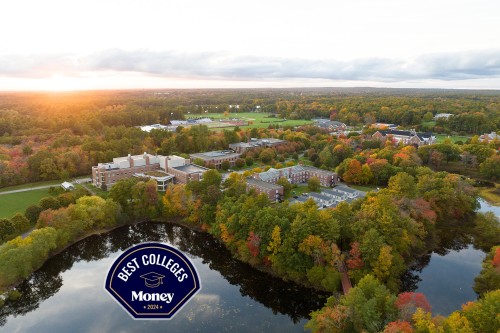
[129, 44]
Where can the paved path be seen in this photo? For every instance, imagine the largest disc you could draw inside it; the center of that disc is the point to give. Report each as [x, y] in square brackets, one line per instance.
[27, 189]
[346, 282]
[80, 181]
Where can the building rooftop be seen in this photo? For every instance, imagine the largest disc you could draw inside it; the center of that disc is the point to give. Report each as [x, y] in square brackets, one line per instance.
[334, 192]
[319, 196]
[424, 136]
[149, 128]
[310, 168]
[300, 199]
[346, 189]
[215, 154]
[191, 168]
[260, 183]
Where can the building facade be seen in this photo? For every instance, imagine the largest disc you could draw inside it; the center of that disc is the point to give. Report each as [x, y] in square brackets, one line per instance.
[406, 137]
[161, 168]
[298, 174]
[274, 192]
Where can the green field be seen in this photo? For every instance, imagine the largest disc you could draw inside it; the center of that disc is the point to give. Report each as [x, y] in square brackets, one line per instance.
[454, 138]
[31, 185]
[13, 203]
[259, 120]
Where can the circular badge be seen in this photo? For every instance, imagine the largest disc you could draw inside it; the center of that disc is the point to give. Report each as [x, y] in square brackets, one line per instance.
[152, 280]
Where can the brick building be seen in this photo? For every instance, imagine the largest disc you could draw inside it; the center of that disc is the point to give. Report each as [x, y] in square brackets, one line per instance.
[161, 168]
[217, 157]
[406, 137]
[273, 191]
[298, 174]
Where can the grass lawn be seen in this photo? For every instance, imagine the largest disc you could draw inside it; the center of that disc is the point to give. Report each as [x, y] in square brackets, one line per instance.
[13, 203]
[492, 195]
[299, 190]
[259, 120]
[454, 138]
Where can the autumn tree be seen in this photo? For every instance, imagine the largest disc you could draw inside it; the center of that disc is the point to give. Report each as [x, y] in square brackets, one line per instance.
[287, 187]
[490, 168]
[314, 184]
[489, 278]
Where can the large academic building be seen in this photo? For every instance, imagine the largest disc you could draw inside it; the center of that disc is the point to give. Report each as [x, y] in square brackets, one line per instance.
[163, 169]
[217, 157]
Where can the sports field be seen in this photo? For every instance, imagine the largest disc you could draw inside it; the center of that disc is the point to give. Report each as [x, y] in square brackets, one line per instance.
[255, 119]
[440, 138]
[13, 203]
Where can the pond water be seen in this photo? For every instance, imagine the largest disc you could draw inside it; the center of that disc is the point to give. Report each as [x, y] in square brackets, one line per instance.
[486, 207]
[67, 294]
[447, 275]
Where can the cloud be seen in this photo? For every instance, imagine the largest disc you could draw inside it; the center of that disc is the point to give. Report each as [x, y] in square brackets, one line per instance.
[224, 65]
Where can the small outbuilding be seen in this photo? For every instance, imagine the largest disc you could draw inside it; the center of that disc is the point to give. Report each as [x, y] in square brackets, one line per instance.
[67, 186]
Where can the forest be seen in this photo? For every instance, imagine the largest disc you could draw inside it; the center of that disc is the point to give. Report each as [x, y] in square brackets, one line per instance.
[421, 190]
[60, 135]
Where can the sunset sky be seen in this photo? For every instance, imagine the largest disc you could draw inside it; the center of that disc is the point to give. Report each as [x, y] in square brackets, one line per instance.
[115, 44]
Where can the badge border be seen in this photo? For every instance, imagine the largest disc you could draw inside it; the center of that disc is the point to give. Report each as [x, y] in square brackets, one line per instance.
[129, 309]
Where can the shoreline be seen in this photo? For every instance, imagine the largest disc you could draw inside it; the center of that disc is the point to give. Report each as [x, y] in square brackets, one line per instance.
[175, 221]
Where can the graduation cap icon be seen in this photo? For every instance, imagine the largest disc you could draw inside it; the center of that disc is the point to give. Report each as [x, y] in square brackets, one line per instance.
[152, 279]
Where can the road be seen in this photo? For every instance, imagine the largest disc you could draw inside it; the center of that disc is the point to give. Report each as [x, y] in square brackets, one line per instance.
[81, 181]
[27, 189]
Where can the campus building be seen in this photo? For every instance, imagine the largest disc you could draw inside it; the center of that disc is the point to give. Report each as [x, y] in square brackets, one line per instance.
[217, 157]
[410, 137]
[163, 169]
[298, 174]
[330, 198]
[273, 191]
[242, 147]
[265, 182]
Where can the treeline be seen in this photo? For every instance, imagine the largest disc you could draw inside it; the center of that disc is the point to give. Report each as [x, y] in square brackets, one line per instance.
[61, 220]
[382, 233]
[57, 136]
[371, 307]
[20, 223]
[377, 236]
[362, 160]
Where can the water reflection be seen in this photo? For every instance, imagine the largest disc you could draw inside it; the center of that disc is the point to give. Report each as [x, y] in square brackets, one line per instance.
[446, 274]
[76, 276]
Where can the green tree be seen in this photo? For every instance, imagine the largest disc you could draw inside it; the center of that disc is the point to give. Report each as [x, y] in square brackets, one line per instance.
[267, 155]
[314, 184]
[20, 223]
[403, 185]
[489, 278]
[48, 169]
[368, 307]
[483, 314]
[428, 117]
[490, 168]
[32, 213]
[6, 229]
[287, 187]
[225, 165]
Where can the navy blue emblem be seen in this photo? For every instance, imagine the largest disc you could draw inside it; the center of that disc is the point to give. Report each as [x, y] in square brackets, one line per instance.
[152, 280]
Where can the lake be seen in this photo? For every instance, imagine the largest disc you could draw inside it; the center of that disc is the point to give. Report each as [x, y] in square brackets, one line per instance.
[67, 293]
[447, 275]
